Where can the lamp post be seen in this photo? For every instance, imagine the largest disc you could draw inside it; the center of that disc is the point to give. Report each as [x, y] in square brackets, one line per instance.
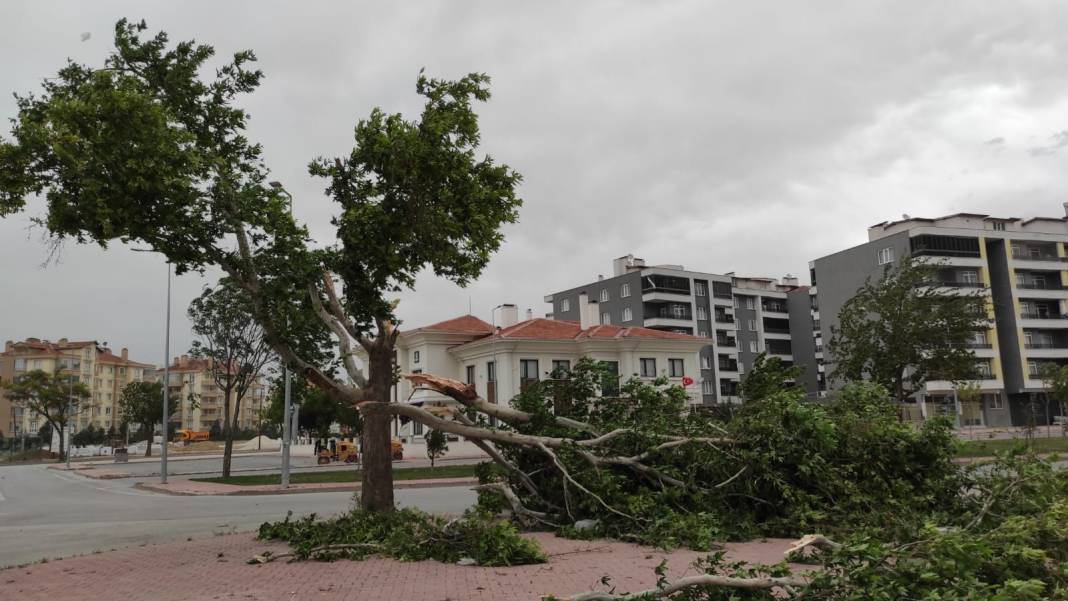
[288, 405]
[166, 386]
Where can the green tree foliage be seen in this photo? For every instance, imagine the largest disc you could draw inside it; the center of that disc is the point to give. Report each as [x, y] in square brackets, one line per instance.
[55, 397]
[318, 411]
[1055, 379]
[437, 444]
[236, 350]
[781, 467]
[150, 149]
[767, 377]
[407, 535]
[141, 404]
[906, 329]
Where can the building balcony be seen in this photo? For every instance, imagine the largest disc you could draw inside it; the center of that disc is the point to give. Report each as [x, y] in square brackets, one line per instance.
[727, 367]
[775, 308]
[664, 296]
[728, 342]
[1039, 285]
[668, 322]
[724, 318]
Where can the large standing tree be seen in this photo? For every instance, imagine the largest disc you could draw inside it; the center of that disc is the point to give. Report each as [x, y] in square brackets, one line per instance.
[908, 328]
[141, 403]
[236, 350]
[53, 396]
[147, 149]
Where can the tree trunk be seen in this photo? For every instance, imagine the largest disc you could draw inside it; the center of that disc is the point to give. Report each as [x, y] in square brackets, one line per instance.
[228, 435]
[62, 432]
[148, 439]
[376, 492]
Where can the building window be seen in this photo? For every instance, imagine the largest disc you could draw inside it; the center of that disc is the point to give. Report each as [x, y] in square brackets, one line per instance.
[470, 374]
[703, 333]
[624, 291]
[606, 318]
[708, 387]
[700, 289]
[969, 276]
[609, 378]
[996, 402]
[750, 303]
[491, 371]
[1032, 368]
[604, 295]
[20, 364]
[752, 346]
[886, 255]
[752, 325]
[565, 305]
[417, 428]
[706, 362]
[528, 372]
[627, 314]
[983, 369]
[999, 226]
[561, 368]
[648, 368]
[702, 313]
[415, 357]
[815, 323]
[675, 368]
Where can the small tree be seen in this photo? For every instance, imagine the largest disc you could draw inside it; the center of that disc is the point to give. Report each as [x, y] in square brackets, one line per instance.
[906, 329]
[142, 404]
[436, 445]
[968, 393]
[1055, 379]
[235, 347]
[54, 397]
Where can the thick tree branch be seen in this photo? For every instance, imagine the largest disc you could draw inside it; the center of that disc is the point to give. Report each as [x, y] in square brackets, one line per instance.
[704, 580]
[342, 335]
[523, 513]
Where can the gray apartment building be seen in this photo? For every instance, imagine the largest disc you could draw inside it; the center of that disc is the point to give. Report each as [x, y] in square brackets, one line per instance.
[741, 317]
[1020, 264]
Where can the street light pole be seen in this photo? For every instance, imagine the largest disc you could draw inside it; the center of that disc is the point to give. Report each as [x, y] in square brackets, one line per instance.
[166, 386]
[70, 397]
[288, 405]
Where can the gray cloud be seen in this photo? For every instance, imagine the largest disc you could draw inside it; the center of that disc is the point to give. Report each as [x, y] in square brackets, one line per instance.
[747, 137]
[1057, 141]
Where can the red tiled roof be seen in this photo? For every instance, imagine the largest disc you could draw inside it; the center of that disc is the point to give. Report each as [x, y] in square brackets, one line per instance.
[551, 329]
[47, 346]
[107, 357]
[467, 324]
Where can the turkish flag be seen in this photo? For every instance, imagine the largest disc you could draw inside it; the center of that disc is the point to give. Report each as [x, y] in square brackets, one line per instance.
[687, 380]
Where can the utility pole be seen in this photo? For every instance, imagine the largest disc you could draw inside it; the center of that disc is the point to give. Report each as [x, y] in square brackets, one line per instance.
[70, 410]
[166, 385]
[288, 406]
[286, 431]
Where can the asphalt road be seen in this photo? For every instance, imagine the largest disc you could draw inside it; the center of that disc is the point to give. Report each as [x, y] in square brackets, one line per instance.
[252, 464]
[48, 513]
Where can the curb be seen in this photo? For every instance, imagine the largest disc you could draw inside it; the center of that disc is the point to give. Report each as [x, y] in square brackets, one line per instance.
[233, 490]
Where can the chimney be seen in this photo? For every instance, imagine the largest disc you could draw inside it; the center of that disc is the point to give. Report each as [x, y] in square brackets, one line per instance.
[584, 317]
[593, 317]
[530, 314]
[600, 277]
[509, 315]
[125, 353]
[790, 280]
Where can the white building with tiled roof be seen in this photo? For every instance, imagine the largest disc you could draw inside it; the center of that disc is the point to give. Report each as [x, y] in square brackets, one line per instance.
[501, 361]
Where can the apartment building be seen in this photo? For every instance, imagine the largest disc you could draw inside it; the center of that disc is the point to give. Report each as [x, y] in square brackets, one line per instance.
[1019, 264]
[88, 362]
[192, 386]
[501, 361]
[737, 317]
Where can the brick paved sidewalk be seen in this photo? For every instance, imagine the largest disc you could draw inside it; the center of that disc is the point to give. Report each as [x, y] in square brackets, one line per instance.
[216, 568]
[179, 486]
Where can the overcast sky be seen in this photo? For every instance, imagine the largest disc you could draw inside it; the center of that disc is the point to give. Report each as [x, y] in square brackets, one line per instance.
[725, 136]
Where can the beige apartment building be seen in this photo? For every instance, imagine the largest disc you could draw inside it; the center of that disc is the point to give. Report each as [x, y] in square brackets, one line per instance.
[89, 362]
[192, 385]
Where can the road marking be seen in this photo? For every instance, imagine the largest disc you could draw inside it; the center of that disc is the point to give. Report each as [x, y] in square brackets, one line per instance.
[82, 480]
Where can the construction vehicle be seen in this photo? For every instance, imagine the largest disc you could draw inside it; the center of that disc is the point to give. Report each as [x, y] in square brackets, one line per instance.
[188, 436]
[348, 452]
[343, 450]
